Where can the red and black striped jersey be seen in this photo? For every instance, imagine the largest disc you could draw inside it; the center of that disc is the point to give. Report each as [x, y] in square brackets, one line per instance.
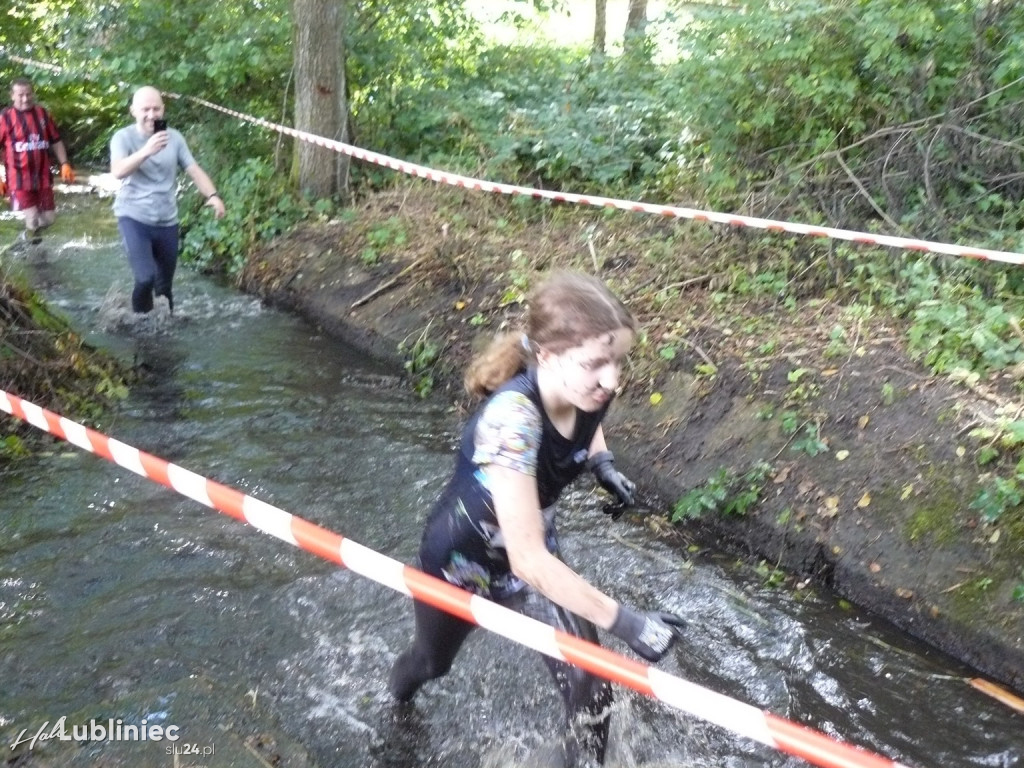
[26, 137]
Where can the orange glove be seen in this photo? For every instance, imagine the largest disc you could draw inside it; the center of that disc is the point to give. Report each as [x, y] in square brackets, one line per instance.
[3, 188]
[66, 174]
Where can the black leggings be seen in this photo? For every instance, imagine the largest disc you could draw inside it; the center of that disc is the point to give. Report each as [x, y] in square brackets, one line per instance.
[153, 255]
[439, 636]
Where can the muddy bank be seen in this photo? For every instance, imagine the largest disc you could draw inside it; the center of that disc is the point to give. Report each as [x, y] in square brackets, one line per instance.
[44, 361]
[863, 481]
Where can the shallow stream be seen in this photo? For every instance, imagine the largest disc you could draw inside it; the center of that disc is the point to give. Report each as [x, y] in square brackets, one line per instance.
[121, 600]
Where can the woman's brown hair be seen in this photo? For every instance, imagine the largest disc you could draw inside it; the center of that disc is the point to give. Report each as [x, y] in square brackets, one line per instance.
[564, 311]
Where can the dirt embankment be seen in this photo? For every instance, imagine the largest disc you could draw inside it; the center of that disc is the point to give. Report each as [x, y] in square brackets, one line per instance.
[45, 362]
[857, 451]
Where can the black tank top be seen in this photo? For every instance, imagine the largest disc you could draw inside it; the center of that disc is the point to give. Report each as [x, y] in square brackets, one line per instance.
[462, 542]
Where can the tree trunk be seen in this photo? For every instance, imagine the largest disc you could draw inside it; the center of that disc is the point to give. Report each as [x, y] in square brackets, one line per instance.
[600, 27]
[634, 40]
[321, 107]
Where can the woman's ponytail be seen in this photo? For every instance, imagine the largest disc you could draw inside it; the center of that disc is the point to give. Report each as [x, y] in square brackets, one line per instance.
[507, 355]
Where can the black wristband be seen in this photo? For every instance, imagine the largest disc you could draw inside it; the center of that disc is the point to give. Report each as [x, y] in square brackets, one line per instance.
[211, 196]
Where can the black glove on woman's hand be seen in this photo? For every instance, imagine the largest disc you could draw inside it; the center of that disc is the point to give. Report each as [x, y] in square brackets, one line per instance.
[649, 634]
[602, 464]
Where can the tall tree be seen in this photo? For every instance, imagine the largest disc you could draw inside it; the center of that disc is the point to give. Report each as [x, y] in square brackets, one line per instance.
[635, 39]
[321, 106]
[600, 27]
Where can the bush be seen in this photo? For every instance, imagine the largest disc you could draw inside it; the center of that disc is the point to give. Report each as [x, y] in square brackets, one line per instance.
[259, 205]
[920, 100]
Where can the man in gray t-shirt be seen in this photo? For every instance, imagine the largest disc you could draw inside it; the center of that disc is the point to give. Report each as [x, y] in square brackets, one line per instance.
[146, 157]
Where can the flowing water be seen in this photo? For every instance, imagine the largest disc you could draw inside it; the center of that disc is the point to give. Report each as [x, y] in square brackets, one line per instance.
[122, 601]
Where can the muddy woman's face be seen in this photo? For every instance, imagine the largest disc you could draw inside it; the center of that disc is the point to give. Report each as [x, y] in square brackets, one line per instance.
[587, 375]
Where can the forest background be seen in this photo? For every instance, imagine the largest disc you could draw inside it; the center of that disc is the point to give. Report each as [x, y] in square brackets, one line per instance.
[902, 118]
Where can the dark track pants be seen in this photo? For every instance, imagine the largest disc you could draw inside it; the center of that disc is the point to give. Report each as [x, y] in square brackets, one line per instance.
[587, 699]
[153, 256]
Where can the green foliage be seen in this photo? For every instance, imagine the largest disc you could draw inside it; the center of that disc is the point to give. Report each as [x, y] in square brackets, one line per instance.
[421, 357]
[518, 276]
[12, 447]
[771, 575]
[725, 492]
[408, 68]
[65, 374]
[806, 435]
[982, 584]
[776, 84]
[1002, 436]
[230, 53]
[527, 114]
[390, 234]
[837, 343]
[803, 389]
[960, 315]
[259, 205]
[809, 441]
[790, 422]
[973, 333]
[998, 496]
[591, 127]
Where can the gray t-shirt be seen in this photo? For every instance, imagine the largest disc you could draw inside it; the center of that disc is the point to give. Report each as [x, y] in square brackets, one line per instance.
[148, 194]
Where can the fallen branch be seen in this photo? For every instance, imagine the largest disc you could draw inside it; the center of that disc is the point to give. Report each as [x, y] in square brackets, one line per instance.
[998, 693]
[699, 351]
[866, 195]
[386, 285]
[692, 281]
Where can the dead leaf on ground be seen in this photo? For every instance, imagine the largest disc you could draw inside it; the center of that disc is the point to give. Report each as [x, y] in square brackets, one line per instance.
[831, 508]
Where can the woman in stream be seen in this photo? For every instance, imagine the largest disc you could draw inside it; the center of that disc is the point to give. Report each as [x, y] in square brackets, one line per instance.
[492, 531]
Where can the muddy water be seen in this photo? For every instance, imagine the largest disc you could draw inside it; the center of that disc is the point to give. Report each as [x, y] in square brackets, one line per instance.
[123, 601]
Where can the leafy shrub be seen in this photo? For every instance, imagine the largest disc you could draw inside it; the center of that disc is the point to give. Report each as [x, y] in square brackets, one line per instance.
[604, 127]
[536, 115]
[421, 359]
[259, 205]
[997, 496]
[725, 492]
[971, 333]
[857, 108]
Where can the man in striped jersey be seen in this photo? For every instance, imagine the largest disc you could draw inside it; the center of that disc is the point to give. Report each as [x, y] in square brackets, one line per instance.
[27, 135]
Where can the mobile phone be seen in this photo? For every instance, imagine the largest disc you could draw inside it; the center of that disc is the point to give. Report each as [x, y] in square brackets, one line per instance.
[159, 125]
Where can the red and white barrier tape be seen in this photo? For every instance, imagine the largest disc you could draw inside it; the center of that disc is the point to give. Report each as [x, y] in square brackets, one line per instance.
[742, 719]
[669, 211]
